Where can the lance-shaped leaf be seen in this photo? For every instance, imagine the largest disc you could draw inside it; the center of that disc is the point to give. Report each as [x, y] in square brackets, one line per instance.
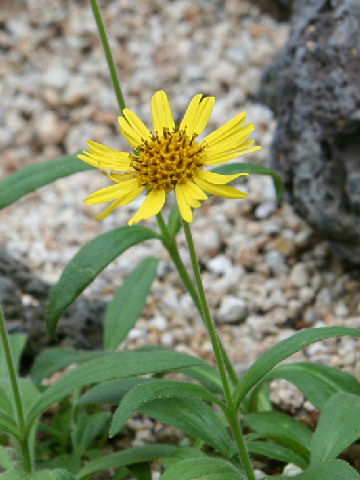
[276, 452]
[17, 343]
[174, 222]
[338, 427]
[285, 349]
[128, 303]
[110, 366]
[203, 468]
[57, 474]
[32, 177]
[8, 425]
[5, 459]
[232, 168]
[207, 375]
[331, 470]
[145, 453]
[183, 453]
[141, 471]
[113, 391]
[282, 428]
[156, 390]
[317, 382]
[55, 359]
[87, 264]
[194, 417]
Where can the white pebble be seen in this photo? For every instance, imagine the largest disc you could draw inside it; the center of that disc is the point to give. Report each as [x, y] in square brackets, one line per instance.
[232, 309]
[299, 275]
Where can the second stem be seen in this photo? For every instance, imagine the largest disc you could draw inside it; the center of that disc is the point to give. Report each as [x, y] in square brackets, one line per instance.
[233, 418]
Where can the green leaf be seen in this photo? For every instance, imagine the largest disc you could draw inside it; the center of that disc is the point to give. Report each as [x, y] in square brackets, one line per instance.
[28, 392]
[207, 375]
[145, 453]
[128, 303]
[110, 366]
[57, 474]
[174, 223]
[331, 470]
[87, 264]
[183, 453]
[257, 169]
[141, 471]
[338, 427]
[15, 475]
[17, 343]
[5, 460]
[317, 382]
[55, 359]
[282, 428]
[121, 473]
[193, 417]
[88, 427]
[6, 397]
[203, 468]
[29, 179]
[112, 391]
[276, 452]
[284, 349]
[8, 425]
[258, 400]
[157, 390]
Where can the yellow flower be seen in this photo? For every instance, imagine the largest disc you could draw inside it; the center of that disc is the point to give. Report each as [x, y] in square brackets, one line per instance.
[169, 159]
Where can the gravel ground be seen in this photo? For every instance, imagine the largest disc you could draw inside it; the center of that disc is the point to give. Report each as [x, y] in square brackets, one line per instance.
[266, 273]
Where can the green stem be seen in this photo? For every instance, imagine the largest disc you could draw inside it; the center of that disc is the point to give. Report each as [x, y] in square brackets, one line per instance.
[24, 444]
[109, 57]
[232, 418]
[171, 246]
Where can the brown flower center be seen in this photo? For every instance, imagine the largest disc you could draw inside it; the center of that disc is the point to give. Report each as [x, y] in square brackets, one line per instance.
[165, 161]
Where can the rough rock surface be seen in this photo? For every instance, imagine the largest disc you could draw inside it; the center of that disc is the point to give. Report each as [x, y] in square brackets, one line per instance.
[280, 9]
[313, 86]
[23, 297]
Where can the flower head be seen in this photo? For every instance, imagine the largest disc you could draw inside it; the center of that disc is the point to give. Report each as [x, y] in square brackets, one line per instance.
[169, 159]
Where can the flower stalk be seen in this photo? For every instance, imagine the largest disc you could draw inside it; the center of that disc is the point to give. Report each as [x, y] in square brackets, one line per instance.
[170, 244]
[218, 351]
[109, 57]
[24, 440]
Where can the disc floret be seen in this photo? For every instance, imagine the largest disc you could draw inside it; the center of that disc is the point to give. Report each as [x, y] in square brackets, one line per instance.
[169, 159]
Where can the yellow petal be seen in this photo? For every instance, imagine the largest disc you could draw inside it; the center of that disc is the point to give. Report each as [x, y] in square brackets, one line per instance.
[129, 133]
[135, 122]
[111, 193]
[119, 177]
[189, 195]
[151, 206]
[184, 207]
[220, 190]
[197, 115]
[101, 156]
[161, 113]
[124, 200]
[120, 164]
[217, 178]
[224, 157]
[196, 191]
[226, 130]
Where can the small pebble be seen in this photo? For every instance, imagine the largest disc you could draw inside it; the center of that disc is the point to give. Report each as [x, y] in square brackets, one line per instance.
[232, 309]
[299, 275]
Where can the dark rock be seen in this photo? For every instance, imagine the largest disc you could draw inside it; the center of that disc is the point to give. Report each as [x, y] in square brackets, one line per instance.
[24, 296]
[279, 9]
[313, 87]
